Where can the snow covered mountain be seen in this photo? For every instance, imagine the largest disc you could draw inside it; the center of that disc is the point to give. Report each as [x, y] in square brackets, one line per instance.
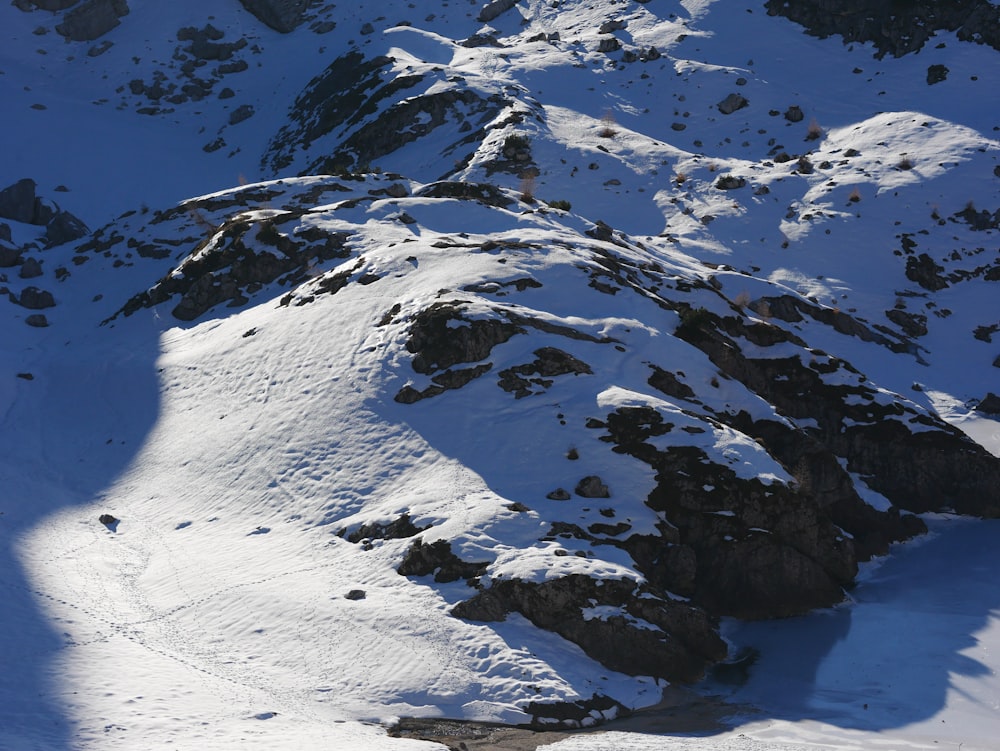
[471, 361]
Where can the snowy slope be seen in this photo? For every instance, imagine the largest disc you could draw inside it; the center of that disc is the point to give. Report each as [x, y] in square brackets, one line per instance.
[255, 445]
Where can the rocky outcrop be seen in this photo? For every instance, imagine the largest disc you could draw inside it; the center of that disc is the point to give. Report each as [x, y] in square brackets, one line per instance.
[19, 203]
[92, 19]
[639, 633]
[368, 114]
[64, 227]
[235, 261]
[33, 298]
[915, 460]
[280, 15]
[438, 559]
[894, 28]
[493, 9]
[753, 549]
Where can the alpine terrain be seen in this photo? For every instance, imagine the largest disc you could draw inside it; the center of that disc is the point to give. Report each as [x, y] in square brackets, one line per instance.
[529, 363]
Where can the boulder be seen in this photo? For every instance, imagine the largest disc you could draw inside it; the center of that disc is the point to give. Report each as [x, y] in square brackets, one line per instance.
[494, 9]
[17, 201]
[989, 405]
[30, 268]
[92, 19]
[33, 298]
[731, 103]
[592, 487]
[794, 114]
[9, 256]
[37, 320]
[64, 227]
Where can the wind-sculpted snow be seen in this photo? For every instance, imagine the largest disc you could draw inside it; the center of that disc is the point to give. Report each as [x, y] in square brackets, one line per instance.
[597, 363]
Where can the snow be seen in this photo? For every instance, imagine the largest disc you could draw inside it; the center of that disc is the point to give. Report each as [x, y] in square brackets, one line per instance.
[214, 616]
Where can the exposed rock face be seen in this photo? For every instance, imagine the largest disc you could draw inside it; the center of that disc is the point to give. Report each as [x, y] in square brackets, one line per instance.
[933, 468]
[280, 15]
[438, 559]
[758, 550]
[894, 28]
[351, 102]
[92, 19]
[64, 227]
[19, 203]
[234, 261]
[438, 343]
[493, 9]
[36, 299]
[679, 647]
[732, 103]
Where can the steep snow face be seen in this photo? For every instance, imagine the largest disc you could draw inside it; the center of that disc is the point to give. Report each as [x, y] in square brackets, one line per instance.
[620, 311]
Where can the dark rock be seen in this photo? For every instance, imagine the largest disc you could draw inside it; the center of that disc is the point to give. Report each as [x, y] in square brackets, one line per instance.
[925, 272]
[732, 103]
[92, 19]
[37, 320]
[936, 74]
[794, 114]
[64, 227]
[5, 235]
[730, 182]
[17, 202]
[549, 362]
[559, 494]
[205, 44]
[33, 298]
[989, 404]
[241, 113]
[109, 521]
[438, 343]
[395, 530]
[9, 256]
[683, 643]
[669, 384]
[30, 269]
[437, 558]
[592, 487]
[355, 594]
[237, 258]
[894, 28]
[493, 9]
[912, 324]
[280, 15]
[979, 221]
[915, 460]
[609, 44]
[577, 714]
[489, 195]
